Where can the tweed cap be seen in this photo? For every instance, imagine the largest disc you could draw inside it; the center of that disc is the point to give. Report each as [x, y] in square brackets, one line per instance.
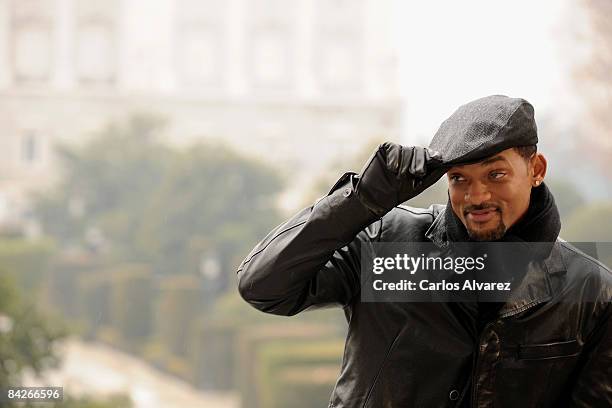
[484, 127]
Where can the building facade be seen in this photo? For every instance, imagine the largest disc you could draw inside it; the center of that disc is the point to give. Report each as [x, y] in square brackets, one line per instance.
[294, 82]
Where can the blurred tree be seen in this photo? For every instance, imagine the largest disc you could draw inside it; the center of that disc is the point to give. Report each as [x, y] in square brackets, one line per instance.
[211, 205]
[567, 196]
[592, 223]
[27, 338]
[595, 82]
[338, 167]
[436, 194]
[105, 183]
[195, 211]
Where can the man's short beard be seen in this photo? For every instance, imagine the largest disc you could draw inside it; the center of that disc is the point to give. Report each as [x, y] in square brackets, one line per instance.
[488, 235]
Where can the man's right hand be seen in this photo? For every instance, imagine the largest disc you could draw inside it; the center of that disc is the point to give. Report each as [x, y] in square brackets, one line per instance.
[397, 173]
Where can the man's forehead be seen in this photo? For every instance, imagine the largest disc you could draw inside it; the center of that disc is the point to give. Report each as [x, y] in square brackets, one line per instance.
[494, 159]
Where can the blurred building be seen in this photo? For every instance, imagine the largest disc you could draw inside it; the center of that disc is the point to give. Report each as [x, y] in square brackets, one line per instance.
[295, 82]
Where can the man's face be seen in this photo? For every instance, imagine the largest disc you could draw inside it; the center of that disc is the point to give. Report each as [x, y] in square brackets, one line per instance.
[490, 196]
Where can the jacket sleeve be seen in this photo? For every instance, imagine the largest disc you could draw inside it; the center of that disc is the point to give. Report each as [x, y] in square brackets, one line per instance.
[593, 387]
[313, 259]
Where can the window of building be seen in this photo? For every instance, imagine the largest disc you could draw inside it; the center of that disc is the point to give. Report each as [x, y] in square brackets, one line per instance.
[96, 41]
[30, 148]
[199, 54]
[339, 44]
[95, 51]
[31, 39]
[201, 43]
[270, 57]
[338, 63]
[32, 51]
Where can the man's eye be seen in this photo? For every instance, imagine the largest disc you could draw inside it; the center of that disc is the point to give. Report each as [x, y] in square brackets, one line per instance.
[455, 178]
[497, 174]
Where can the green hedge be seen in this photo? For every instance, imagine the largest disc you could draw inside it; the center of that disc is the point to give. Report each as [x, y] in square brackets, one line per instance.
[213, 354]
[250, 367]
[94, 293]
[304, 387]
[131, 307]
[223, 344]
[177, 309]
[158, 355]
[27, 261]
[298, 374]
[115, 304]
[62, 288]
[213, 340]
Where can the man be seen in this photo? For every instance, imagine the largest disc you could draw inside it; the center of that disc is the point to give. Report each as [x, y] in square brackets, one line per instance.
[549, 345]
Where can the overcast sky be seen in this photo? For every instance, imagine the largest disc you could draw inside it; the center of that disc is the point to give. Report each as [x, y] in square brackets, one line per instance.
[452, 52]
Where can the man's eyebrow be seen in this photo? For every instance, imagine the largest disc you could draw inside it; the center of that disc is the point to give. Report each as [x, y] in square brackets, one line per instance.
[492, 160]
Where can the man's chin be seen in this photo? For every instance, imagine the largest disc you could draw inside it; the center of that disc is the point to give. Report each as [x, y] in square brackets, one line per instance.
[488, 234]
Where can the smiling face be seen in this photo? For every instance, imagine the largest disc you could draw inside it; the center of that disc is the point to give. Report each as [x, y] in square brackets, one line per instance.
[492, 195]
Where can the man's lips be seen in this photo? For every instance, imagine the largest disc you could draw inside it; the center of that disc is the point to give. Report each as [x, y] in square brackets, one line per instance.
[482, 215]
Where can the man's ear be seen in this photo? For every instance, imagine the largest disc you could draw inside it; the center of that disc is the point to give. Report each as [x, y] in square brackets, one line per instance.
[537, 169]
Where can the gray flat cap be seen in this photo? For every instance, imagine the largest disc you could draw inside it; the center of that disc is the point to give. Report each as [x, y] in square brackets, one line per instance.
[485, 127]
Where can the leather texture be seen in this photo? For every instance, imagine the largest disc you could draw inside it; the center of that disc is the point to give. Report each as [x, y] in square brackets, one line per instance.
[396, 173]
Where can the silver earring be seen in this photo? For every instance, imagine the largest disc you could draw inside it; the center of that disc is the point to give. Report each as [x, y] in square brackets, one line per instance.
[537, 182]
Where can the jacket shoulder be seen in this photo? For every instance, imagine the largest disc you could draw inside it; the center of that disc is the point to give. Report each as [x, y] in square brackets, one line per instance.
[408, 224]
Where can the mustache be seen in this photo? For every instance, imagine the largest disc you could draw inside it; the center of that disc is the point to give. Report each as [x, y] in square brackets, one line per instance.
[480, 207]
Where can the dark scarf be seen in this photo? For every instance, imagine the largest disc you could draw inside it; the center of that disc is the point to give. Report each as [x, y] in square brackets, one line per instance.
[541, 223]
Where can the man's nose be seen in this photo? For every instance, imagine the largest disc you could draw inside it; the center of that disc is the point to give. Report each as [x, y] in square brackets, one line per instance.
[477, 193]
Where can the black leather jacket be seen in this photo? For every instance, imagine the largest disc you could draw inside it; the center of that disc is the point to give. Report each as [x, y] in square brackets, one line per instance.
[541, 350]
